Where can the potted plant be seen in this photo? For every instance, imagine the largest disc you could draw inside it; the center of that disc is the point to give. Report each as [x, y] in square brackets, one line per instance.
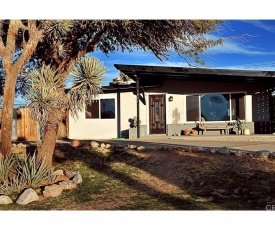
[240, 125]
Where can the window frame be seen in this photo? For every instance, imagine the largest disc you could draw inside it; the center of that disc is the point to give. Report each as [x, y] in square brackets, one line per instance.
[230, 105]
[99, 110]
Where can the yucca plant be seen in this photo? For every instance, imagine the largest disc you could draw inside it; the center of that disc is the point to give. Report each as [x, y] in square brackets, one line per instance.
[57, 28]
[4, 189]
[6, 167]
[30, 172]
[16, 185]
[42, 94]
[50, 175]
[87, 77]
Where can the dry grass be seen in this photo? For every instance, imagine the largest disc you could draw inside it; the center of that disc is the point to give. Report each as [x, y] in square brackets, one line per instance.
[161, 180]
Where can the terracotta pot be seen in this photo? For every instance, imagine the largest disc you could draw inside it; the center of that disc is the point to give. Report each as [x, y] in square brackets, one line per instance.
[186, 132]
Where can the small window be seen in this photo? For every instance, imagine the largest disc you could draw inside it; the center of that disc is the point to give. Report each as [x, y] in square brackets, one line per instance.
[192, 108]
[101, 109]
[107, 108]
[92, 110]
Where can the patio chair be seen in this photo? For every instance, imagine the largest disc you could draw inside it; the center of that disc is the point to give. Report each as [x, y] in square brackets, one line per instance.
[200, 125]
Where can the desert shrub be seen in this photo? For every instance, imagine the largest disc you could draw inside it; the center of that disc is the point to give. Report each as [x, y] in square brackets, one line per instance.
[30, 172]
[22, 171]
[6, 167]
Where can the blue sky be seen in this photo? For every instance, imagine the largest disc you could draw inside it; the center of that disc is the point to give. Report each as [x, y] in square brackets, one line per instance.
[254, 49]
[253, 19]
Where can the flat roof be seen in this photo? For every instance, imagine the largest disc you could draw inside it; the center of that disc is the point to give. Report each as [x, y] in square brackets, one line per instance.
[154, 73]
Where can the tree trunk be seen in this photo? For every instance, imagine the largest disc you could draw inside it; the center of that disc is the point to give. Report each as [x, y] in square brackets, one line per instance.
[7, 113]
[47, 146]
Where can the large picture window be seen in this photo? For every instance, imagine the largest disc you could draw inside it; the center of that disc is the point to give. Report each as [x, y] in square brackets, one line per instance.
[215, 107]
[101, 109]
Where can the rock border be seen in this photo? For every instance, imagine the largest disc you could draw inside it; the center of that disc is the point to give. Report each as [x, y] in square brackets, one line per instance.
[262, 154]
[69, 180]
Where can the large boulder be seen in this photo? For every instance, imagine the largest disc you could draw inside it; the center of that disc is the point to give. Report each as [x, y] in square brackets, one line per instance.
[28, 196]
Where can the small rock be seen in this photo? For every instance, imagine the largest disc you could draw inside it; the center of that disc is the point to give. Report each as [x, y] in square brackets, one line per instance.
[67, 184]
[5, 200]
[212, 150]
[140, 148]
[108, 146]
[94, 144]
[77, 179]
[132, 147]
[76, 143]
[58, 172]
[70, 174]
[224, 150]
[271, 155]
[262, 154]
[53, 190]
[28, 196]
[198, 149]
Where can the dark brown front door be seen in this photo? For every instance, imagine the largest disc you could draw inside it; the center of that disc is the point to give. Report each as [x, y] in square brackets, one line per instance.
[157, 114]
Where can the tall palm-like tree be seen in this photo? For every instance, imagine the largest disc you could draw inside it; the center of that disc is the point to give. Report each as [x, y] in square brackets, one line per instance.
[42, 94]
[87, 77]
[43, 97]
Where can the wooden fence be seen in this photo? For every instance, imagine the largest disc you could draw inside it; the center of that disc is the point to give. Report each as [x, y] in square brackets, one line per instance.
[27, 129]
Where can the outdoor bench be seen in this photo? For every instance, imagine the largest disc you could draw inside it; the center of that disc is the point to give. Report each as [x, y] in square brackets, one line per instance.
[221, 128]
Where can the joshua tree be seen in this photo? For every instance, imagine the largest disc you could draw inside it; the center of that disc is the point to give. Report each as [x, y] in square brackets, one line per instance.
[43, 94]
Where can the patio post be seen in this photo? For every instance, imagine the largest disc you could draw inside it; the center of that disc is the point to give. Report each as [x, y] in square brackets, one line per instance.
[137, 88]
[118, 115]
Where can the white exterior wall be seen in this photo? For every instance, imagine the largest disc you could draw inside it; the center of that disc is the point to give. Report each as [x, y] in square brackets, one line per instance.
[86, 129]
[129, 109]
[175, 109]
[82, 128]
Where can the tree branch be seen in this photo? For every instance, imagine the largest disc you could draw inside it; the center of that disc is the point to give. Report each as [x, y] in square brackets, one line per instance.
[30, 46]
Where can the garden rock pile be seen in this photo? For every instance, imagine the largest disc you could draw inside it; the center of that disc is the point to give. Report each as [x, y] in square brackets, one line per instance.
[64, 180]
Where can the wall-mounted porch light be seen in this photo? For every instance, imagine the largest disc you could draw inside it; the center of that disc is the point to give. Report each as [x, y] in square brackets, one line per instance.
[170, 98]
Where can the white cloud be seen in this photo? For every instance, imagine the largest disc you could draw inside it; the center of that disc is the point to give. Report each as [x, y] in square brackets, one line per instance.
[234, 46]
[261, 25]
[264, 66]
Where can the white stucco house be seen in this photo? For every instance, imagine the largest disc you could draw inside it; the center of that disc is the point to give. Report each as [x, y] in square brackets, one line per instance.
[169, 99]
